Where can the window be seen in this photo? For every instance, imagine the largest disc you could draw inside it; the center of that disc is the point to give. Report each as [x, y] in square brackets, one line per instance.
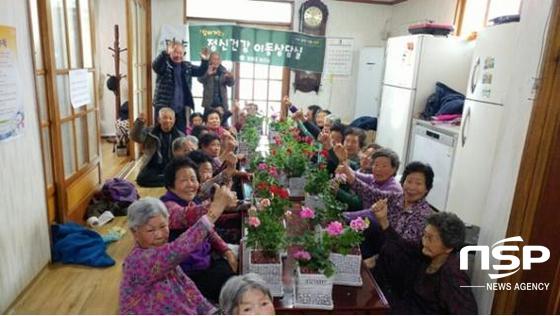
[240, 10]
[262, 85]
[473, 15]
[254, 83]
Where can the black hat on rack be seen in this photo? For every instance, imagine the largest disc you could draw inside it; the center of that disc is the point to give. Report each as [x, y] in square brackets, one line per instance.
[112, 83]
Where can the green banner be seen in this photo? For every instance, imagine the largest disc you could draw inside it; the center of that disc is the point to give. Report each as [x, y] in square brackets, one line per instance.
[261, 46]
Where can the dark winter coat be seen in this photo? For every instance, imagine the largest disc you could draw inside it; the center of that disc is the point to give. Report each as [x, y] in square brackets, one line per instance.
[209, 86]
[165, 82]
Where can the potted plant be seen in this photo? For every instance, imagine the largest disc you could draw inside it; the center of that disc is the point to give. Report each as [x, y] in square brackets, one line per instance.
[317, 183]
[266, 239]
[315, 271]
[344, 241]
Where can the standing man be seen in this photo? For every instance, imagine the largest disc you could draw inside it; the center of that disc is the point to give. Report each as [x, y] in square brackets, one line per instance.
[173, 82]
[215, 82]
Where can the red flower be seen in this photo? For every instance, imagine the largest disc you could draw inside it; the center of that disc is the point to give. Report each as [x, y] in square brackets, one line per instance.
[325, 153]
[262, 186]
[322, 166]
[279, 191]
[309, 140]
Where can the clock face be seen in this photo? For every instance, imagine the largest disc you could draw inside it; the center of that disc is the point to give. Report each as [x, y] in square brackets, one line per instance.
[313, 16]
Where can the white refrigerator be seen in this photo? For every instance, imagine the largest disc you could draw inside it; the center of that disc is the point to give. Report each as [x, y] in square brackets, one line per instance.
[413, 66]
[489, 78]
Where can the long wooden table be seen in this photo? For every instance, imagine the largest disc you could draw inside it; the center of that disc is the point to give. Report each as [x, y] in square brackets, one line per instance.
[367, 299]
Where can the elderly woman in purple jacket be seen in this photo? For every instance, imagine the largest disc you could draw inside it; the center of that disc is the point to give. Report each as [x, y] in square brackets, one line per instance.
[153, 282]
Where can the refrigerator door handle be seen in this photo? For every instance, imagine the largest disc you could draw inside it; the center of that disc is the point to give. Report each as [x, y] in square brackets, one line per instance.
[474, 76]
[463, 127]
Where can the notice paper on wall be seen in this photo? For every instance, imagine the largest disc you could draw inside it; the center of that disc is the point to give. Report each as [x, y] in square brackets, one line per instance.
[11, 99]
[79, 87]
[338, 56]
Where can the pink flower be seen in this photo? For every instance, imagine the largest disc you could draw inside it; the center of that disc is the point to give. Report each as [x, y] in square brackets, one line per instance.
[334, 228]
[306, 212]
[264, 203]
[359, 224]
[302, 255]
[288, 213]
[273, 171]
[254, 221]
[262, 166]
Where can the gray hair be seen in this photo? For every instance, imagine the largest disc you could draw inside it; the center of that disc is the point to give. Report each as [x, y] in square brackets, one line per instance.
[166, 110]
[192, 139]
[450, 227]
[140, 212]
[236, 286]
[179, 142]
[333, 119]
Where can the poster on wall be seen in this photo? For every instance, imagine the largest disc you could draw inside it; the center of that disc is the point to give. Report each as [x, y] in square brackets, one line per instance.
[11, 100]
[338, 59]
[79, 87]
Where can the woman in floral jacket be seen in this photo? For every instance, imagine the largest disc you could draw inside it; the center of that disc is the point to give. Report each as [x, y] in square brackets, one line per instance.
[153, 282]
[213, 263]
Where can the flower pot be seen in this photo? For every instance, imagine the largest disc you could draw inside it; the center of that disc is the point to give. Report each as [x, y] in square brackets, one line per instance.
[314, 202]
[269, 268]
[348, 268]
[296, 186]
[313, 290]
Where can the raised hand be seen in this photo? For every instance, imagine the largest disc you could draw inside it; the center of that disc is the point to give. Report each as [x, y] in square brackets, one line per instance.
[298, 116]
[205, 53]
[341, 153]
[223, 197]
[347, 171]
[380, 209]
[231, 159]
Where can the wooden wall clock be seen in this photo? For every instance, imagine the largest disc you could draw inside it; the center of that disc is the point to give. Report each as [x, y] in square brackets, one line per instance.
[313, 16]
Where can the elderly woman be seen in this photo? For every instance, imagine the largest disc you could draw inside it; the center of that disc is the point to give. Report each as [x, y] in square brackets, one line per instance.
[246, 295]
[366, 158]
[153, 282]
[424, 279]
[183, 145]
[213, 120]
[196, 119]
[408, 209]
[209, 272]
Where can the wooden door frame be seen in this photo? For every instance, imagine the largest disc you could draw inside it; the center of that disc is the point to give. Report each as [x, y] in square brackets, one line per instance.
[531, 216]
[147, 4]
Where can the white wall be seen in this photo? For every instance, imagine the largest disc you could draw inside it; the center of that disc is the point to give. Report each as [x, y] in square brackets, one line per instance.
[107, 14]
[416, 11]
[510, 144]
[164, 12]
[367, 24]
[24, 237]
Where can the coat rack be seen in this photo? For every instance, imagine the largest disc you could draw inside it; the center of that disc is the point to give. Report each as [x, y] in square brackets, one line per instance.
[117, 77]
